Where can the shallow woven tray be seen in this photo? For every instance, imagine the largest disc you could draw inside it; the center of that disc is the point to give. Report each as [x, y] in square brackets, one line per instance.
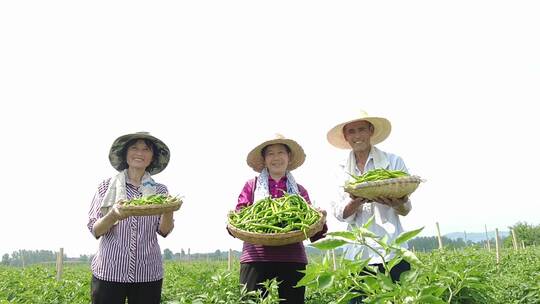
[150, 209]
[277, 239]
[391, 188]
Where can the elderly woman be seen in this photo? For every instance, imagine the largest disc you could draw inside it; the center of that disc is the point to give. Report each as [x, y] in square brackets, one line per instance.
[128, 261]
[274, 159]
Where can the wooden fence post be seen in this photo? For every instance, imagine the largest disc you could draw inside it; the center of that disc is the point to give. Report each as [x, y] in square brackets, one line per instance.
[59, 264]
[439, 236]
[514, 240]
[229, 264]
[523, 244]
[497, 247]
[487, 239]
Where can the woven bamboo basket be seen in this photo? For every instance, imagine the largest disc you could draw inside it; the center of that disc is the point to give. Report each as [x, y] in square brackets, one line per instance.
[277, 239]
[390, 188]
[151, 209]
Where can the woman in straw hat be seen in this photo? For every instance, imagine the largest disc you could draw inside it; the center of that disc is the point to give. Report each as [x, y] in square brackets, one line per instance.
[360, 135]
[274, 160]
[128, 261]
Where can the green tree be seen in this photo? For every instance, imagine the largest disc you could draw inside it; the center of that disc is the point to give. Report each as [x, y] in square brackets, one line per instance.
[527, 233]
[167, 254]
[5, 259]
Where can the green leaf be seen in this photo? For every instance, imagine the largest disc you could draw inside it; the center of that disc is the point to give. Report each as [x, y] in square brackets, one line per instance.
[430, 299]
[371, 284]
[410, 257]
[329, 243]
[345, 298]
[369, 222]
[344, 234]
[365, 232]
[409, 276]
[383, 243]
[325, 280]
[385, 281]
[433, 291]
[393, 262]
[405, 236]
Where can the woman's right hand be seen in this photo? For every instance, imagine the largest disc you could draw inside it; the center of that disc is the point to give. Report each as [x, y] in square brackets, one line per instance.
[117, 212]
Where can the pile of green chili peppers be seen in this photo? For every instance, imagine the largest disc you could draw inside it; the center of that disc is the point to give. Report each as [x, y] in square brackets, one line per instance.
[285, 214]
[154, 199]
[377, 174]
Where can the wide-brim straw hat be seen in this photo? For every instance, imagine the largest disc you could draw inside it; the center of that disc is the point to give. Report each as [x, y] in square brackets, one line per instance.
[256, 161]
[163, 153]
[381, 130]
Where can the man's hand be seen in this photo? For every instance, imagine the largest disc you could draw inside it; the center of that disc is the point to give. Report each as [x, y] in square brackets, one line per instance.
[353, 206]
[392, 202]
[398, 204]
[321, 211]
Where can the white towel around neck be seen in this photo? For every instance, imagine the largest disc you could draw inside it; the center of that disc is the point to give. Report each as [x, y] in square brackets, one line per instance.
[261, 188]
[117, 189]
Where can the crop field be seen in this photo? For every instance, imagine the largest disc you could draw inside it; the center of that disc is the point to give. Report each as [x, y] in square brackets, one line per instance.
[465, 276]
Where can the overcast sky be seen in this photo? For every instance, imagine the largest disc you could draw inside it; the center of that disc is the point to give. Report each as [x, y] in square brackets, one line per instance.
[459, 81]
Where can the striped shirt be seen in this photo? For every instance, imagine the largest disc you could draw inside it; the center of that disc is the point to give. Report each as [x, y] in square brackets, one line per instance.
[129, 252]
[258, 253]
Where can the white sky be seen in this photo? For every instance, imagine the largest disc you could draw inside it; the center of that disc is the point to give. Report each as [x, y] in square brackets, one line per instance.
[457, 79]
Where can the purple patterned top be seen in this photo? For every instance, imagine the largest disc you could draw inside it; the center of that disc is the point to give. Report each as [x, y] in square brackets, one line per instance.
[129, 252]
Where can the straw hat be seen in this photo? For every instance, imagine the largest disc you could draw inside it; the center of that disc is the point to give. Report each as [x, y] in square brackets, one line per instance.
[256, 161]
[382, 128]
[163, 154]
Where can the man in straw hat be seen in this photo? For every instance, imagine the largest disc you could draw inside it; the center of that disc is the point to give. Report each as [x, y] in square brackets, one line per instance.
[274, 159]
[128, 261]
[360, 135]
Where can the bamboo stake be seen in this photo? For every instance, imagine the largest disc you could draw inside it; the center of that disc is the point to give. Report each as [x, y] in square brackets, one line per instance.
[487, 239]
[497, 247]
[439, 236]
[59, 264]
[514, 240]
[523, 244]
[229, 265]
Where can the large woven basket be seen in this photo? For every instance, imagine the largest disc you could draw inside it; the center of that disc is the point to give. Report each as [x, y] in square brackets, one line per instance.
[277, 239]
[151, 209]
[390, 188]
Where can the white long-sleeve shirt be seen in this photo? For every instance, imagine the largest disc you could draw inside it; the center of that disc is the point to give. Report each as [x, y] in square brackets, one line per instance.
[386, 219]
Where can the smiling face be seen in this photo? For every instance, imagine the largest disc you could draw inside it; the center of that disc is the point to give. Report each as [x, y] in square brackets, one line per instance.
[139, 155]
[358, 135]
[276, 159]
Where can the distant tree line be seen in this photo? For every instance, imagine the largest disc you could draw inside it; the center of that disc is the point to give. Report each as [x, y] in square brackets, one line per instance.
[27, 257]
[429, 243]
[529, 234]
[169, 255]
